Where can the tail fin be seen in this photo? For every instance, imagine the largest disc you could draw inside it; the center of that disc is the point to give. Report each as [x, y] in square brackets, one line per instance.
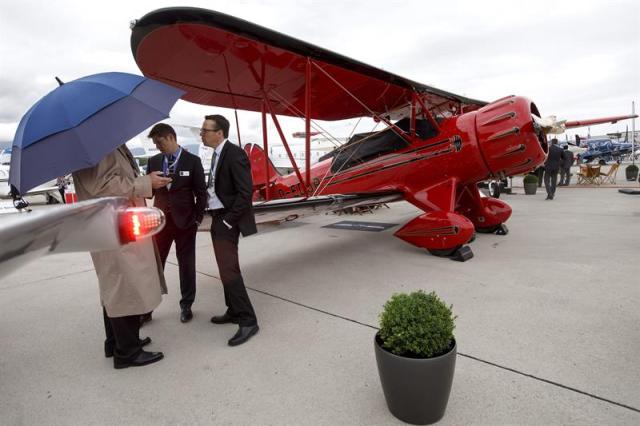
[256, 158]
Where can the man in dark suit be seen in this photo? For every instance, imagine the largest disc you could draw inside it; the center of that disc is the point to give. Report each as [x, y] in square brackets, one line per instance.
[183, 202]
[229, 202]
[555, 159]
[565, 171]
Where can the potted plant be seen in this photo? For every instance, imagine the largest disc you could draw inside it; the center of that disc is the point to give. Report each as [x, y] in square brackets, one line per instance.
[530, 182]
[416, 356]
[631, 172]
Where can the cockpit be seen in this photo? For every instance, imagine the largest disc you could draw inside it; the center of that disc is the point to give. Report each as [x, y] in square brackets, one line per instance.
[363, 147]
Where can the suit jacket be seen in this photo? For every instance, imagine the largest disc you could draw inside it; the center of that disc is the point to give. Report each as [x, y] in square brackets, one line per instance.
[234, 188]
[554, 158]
[130, 278]
[568, 159]
[187, 197]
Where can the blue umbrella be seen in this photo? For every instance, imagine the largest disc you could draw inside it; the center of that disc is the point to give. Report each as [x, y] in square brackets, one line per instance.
[79, 123]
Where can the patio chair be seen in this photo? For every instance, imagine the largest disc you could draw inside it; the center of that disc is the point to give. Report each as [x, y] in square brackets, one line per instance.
[610, 176]
[589, 175]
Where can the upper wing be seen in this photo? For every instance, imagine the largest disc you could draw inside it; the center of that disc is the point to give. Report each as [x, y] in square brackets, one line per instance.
[228, 62]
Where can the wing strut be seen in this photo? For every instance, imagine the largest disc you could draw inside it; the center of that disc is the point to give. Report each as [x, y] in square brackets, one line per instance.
[426, 112]
[375, 116]
[265, 147]
[307, 120]
[286, 146]
[238, 128]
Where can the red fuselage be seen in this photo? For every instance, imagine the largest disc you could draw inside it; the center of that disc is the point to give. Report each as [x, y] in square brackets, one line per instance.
[496, 140]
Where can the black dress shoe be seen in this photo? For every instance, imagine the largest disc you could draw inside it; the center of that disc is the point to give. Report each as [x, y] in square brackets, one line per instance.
[186, 315]
[143, 358]
[224, 319]
[108, 350]
[145, 318]
[243, 334]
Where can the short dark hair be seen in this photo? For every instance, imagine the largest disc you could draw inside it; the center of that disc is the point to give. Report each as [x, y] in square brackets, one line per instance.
[221, 122]
[161, 130]
[554, 141]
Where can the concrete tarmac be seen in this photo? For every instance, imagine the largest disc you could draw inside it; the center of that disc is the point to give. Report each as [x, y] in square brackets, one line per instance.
[548, 326]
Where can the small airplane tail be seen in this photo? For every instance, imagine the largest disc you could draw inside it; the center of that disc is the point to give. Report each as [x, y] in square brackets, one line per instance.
[256, 157]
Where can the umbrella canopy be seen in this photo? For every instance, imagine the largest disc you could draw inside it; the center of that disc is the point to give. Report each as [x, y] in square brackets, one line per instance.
[79, 123]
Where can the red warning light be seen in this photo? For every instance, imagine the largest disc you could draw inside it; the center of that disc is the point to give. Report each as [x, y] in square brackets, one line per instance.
[139, 222]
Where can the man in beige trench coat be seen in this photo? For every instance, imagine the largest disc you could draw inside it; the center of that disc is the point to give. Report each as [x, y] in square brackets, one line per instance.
[130, 278]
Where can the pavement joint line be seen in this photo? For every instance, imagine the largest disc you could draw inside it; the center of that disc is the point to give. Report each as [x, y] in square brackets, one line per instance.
[493, 364]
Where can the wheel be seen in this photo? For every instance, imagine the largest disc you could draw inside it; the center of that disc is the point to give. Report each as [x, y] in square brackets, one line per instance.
[498, 230]
[489, 230]
[494, 189]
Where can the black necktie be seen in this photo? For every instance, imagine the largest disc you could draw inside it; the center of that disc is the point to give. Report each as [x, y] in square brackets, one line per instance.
[213, 165]
[171, 159]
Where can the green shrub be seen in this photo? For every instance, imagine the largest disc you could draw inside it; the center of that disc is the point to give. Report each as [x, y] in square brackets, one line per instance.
[530, 179]
[416, 325]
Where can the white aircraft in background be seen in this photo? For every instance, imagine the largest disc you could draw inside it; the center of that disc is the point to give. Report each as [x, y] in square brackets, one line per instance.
[48, 189]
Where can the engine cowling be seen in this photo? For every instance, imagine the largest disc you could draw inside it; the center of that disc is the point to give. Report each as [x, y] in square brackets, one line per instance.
[509, 139]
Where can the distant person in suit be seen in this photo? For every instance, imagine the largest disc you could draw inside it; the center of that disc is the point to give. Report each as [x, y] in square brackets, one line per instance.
[183, 202]
[130, 278]
[555, 159]
[229, 202]
[565, 170]
[539, 172]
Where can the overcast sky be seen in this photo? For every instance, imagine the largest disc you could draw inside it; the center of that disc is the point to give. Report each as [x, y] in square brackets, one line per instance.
[575, 59]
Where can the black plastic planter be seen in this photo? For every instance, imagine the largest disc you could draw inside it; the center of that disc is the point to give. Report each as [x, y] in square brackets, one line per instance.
[416, 389]
[631, 172]
[530, 188]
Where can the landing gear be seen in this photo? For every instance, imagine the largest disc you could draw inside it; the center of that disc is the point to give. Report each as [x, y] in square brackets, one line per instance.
[498, 230]
[494, 188]
[459, 254]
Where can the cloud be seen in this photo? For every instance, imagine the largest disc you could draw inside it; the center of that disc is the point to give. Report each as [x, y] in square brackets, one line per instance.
[572, 58]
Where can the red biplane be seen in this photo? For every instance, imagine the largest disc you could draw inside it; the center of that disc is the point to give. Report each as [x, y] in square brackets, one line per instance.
[436, 147]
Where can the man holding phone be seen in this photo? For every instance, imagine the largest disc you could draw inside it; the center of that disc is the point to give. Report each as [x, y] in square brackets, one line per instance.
[183, 202]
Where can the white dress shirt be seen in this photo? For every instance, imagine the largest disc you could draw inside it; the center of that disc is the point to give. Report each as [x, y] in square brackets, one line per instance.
[213, 202]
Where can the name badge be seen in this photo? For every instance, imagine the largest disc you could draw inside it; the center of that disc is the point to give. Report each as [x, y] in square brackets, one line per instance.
[184, 173]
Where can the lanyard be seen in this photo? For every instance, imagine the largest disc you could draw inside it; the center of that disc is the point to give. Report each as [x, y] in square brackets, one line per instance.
[165, 163]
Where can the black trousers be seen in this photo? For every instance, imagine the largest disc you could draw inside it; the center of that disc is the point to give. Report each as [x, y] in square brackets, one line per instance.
[550, 180]
[565, 176]
[185, 240]
[540, 173]
[123, 335]
[225, 248]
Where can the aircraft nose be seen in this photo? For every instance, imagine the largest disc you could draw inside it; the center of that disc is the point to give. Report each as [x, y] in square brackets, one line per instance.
[508, 138]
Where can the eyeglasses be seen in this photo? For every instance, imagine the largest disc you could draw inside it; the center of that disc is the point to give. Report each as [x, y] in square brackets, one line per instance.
[208, 130]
